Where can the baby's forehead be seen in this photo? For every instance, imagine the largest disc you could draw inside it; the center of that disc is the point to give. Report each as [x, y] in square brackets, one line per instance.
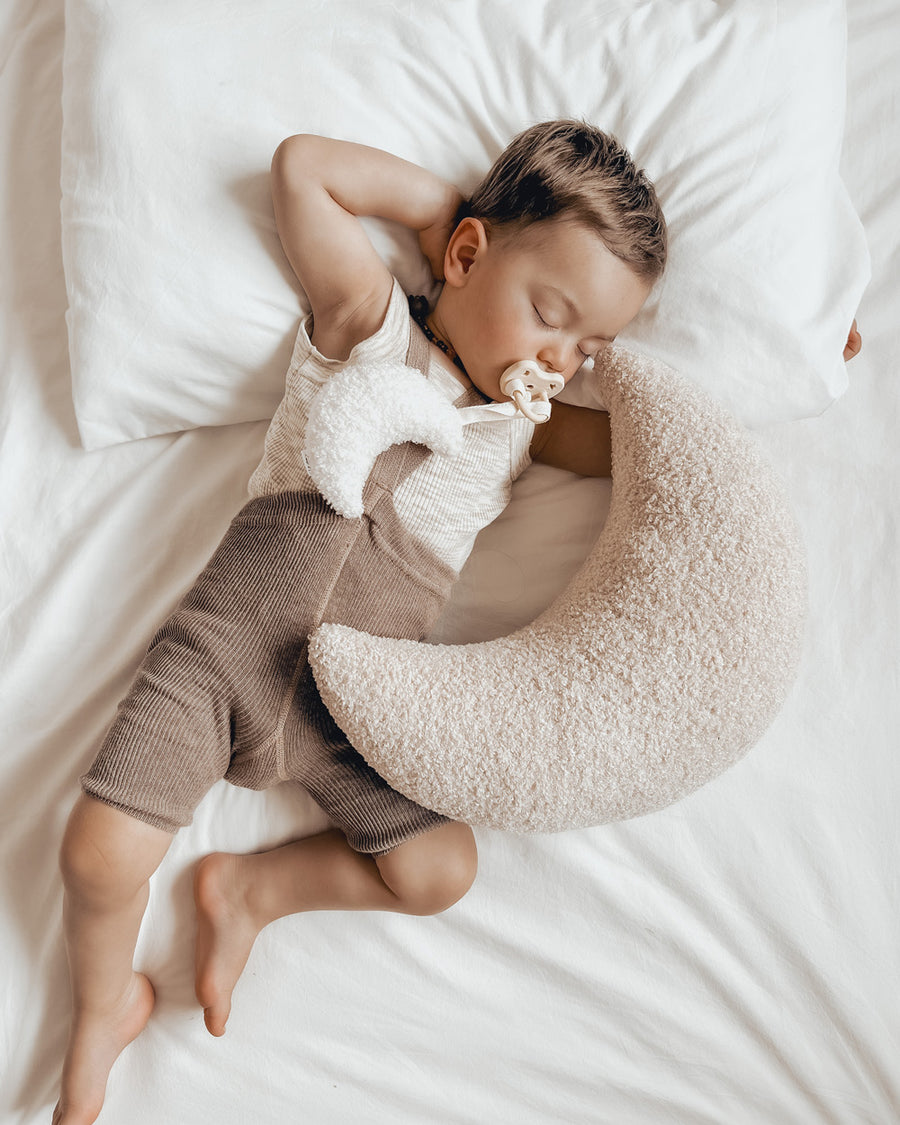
[559, 251]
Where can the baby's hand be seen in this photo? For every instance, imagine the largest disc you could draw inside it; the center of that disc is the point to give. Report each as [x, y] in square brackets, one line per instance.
[433, 239]
[854, 343]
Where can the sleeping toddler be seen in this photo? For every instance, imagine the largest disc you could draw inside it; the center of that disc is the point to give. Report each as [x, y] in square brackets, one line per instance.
[551, 257]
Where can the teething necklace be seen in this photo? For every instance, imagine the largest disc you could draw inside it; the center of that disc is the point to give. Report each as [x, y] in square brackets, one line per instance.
[419, 310]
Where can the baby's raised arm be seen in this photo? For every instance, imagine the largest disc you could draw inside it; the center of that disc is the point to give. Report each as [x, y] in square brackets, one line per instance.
[320, 189]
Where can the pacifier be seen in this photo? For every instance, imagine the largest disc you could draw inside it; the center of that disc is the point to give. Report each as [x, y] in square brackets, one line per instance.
[531, 387]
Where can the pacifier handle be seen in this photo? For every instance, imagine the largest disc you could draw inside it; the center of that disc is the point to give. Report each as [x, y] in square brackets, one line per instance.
[531, 387]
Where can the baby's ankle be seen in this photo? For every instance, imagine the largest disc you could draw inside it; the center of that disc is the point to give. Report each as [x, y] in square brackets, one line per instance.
[131, 1002]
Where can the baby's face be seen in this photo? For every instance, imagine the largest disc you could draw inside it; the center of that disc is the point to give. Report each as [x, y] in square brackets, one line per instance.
[553, 293]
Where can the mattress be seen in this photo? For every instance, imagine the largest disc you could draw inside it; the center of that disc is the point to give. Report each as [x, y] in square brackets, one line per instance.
[729, 960]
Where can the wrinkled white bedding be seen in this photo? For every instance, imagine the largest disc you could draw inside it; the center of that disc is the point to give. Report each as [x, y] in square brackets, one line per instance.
[732, 960]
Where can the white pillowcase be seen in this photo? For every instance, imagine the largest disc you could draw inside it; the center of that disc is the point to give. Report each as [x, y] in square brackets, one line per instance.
[183, 308]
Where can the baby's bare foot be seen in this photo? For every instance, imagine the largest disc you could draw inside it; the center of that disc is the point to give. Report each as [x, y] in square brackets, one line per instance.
[95, 1042]
[226, 931]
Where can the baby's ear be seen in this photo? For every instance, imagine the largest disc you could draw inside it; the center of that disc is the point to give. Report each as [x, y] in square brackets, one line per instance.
[467, 243]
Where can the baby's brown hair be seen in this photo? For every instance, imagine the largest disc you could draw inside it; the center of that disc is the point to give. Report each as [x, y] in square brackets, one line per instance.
[569, 169]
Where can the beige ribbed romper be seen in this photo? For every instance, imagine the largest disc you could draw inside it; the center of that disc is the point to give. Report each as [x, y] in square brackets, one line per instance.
[226, 690]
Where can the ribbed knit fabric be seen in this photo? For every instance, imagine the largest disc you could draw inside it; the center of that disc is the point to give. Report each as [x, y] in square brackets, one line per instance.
[446, 500]
[225, 689]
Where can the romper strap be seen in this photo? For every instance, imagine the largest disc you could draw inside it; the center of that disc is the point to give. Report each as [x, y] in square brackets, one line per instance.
[417, 353]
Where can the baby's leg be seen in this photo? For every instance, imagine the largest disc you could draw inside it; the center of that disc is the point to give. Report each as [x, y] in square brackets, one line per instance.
[107, 859]
[238, 895]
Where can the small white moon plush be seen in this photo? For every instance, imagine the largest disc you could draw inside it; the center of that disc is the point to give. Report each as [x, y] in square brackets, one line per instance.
[659, 666]
[361, 411]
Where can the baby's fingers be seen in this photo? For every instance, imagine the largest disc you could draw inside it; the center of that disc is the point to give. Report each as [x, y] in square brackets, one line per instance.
[854, 343]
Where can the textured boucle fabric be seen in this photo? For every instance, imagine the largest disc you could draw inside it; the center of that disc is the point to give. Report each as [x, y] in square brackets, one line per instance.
[658, 667]
[363, 410]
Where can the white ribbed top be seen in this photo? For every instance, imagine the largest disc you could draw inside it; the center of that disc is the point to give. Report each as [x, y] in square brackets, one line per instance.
[446, 501]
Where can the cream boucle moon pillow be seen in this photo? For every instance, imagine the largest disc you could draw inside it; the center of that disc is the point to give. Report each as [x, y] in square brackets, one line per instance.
[659, 665]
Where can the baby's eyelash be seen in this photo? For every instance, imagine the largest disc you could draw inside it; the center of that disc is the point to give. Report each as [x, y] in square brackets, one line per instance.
[584, 355]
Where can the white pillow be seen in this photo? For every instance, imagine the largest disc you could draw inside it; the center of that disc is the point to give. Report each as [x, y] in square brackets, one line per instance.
[183, 308]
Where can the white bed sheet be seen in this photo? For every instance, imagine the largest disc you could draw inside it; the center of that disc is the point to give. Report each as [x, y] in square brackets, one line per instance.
[732, 960]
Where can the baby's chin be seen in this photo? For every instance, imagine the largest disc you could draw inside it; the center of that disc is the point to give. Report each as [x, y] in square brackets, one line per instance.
[488, 385]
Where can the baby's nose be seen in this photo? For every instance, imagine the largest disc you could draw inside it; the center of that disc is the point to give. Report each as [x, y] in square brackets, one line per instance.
[552, 357]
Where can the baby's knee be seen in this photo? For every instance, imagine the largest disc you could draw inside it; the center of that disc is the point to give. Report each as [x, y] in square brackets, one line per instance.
[434, 871]
[107, 855]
